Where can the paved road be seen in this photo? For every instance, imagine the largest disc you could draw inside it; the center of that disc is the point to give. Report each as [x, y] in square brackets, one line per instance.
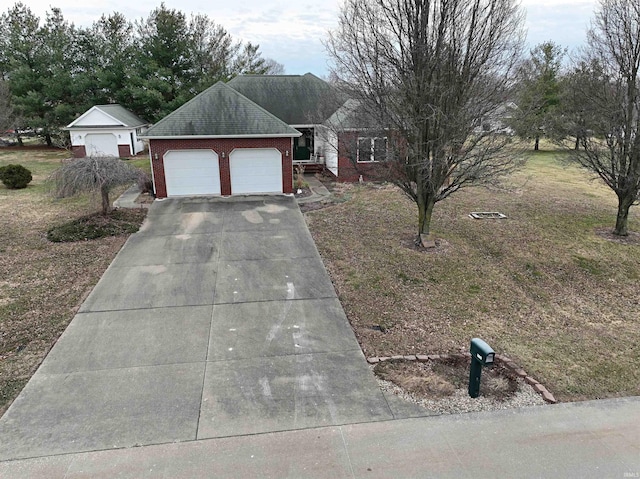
[598, 439]
[216, 319]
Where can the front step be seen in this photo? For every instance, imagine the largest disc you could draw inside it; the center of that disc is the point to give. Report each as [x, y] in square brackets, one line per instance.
[311, 168]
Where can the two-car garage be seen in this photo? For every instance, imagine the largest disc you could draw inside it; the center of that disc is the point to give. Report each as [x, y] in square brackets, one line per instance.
[221, 143]
[191, 172]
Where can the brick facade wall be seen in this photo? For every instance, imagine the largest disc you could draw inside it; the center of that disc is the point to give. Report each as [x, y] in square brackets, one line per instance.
[348, 170]
[223, 147]
[124, 151]
[79, 151]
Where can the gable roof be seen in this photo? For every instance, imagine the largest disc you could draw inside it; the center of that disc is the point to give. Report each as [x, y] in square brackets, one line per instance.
[345, 117]
[353, 115]
[220, 111]
[117, 113]
[122, 114]
[295, 99]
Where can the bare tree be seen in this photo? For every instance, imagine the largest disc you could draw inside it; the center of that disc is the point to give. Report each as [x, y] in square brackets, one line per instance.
[609, 89]
[427, 72]
[92, 175]
[573, 112]
[273, 67]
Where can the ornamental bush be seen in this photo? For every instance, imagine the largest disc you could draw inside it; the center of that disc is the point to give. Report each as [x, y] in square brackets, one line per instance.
[15, 176]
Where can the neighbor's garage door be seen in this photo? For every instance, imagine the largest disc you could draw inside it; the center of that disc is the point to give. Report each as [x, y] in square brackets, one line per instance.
[191, 172]
[101, 144]
[255, 170]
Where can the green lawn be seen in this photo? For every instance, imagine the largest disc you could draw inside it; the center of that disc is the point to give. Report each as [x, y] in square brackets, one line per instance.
[41, 163]
[141, 162]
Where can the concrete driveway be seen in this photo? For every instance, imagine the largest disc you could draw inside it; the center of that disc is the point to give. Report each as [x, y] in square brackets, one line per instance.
[216, 319]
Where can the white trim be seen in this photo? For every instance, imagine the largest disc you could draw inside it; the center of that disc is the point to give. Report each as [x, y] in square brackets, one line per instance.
[263, 175]
[257, 148]
[153, 175]
[211, 137]
[102, 143]
[348, 130]
[180, 150]
[372, 153]
[101, 127]
[175, 183]
[95, 107]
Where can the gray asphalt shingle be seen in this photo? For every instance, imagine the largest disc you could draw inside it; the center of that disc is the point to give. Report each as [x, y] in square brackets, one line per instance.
[221, 111]
[120, 113]
[295, 99]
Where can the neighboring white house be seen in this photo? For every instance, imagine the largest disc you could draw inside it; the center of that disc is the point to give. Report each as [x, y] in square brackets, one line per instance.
[107, 130]
[498, 120]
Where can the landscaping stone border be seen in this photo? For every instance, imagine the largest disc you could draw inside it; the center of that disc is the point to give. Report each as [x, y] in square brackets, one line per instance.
[518, 371]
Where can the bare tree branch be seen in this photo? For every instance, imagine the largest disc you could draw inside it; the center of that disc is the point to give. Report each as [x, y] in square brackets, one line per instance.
[92, 175]
[608, 97]
[427, 72]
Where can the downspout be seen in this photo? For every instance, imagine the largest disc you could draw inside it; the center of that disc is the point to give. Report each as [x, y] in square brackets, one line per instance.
[153, 178]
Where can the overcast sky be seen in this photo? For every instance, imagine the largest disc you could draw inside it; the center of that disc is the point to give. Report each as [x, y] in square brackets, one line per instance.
[292, 32]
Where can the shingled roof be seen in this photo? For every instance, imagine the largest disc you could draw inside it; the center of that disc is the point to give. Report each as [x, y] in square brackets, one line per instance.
[220, 111]
[295, 99]
[116, 112]
[120, 113]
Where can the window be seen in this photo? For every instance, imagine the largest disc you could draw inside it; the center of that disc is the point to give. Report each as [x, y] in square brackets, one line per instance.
[372, 149]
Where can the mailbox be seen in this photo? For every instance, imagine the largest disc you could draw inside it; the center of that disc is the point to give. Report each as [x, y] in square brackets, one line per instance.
[482, 352]
[481, 355]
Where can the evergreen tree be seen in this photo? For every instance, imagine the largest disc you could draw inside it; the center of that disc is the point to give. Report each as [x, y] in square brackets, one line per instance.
[538, 93]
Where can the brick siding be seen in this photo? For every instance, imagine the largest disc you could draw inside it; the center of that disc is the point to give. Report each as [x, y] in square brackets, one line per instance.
[79, 151]
[223, 147]
[348, 170]
[124, 151]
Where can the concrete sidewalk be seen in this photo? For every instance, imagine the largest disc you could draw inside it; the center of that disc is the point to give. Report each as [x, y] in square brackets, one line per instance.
[128, 199]
[598, 439]
[318, 191]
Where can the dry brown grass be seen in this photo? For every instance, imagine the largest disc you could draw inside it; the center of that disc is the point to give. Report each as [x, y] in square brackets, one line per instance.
[41, 283]
[543, 286]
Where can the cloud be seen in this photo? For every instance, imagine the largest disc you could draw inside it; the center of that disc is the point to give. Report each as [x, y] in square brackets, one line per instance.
[564, 23]
[292, 32]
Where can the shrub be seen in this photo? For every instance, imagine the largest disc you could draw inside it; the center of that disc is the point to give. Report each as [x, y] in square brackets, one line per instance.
[144, 183]
[300, 183]
[15, 176]
[98, 175]
[95, 226]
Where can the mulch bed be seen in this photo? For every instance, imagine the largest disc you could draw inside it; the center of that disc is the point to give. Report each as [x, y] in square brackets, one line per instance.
[97, 225]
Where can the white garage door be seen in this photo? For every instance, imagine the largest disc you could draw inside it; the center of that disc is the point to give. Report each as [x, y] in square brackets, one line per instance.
[255, 170]
[191, 172]
[101, 144]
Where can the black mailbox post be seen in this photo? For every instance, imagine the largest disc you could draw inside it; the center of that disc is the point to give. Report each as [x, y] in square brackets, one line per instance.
[481, 355]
